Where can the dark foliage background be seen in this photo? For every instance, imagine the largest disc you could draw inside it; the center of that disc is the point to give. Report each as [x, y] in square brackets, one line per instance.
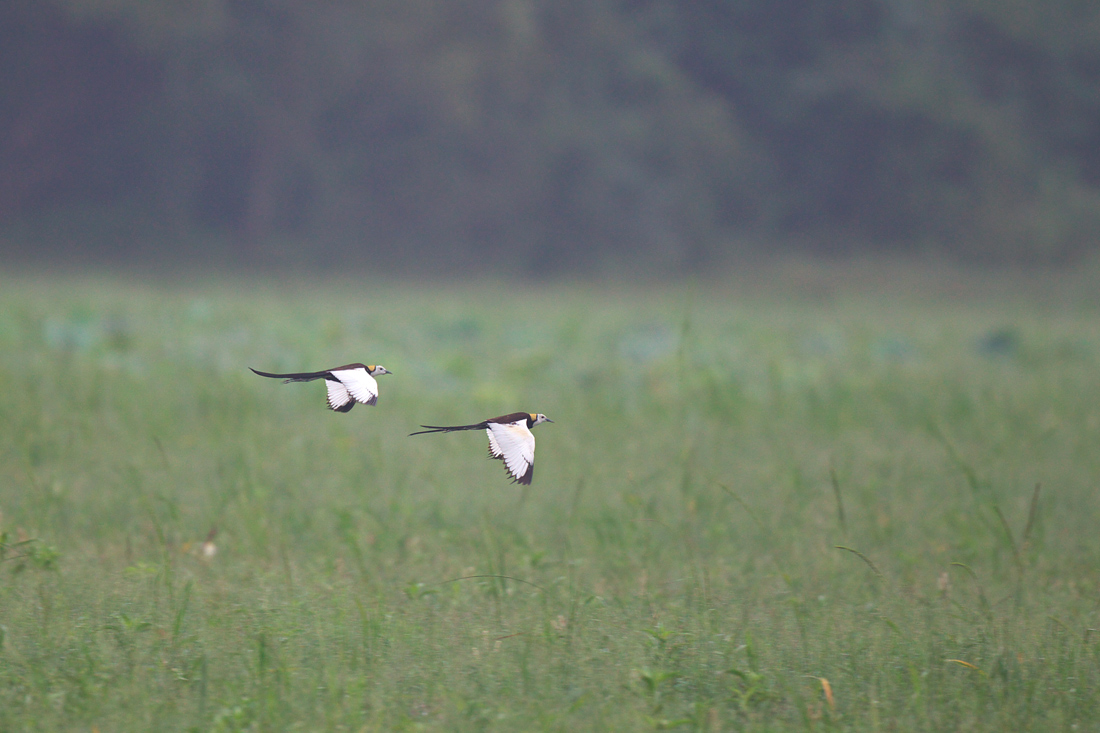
[543, 136]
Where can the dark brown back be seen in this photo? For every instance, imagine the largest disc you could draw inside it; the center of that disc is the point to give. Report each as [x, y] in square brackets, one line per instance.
[512, 417]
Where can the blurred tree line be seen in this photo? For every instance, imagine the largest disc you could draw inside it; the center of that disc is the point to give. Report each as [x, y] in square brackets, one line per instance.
[551, 135]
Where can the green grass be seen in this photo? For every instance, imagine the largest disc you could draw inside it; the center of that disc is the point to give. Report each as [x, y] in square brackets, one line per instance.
[797, 502]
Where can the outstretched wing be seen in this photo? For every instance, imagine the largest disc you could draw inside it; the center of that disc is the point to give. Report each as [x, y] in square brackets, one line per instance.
[338, 397]
[516, 448]
[358, 383]
[494, 446]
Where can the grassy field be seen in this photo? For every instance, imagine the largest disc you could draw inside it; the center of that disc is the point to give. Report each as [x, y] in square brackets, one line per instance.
[810, 500]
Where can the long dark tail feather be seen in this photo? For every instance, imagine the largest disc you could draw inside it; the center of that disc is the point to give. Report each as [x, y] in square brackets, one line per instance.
[287, 378]
[449, 428]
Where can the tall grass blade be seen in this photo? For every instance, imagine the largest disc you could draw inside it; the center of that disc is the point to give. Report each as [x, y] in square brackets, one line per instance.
[1032, 513]
[839, 500]
[862, 557]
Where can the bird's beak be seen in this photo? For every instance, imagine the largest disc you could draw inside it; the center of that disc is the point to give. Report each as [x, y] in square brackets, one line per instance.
[549, 420]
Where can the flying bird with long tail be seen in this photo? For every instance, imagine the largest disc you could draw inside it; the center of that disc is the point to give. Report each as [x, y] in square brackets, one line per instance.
[346, 384]
[510, 441]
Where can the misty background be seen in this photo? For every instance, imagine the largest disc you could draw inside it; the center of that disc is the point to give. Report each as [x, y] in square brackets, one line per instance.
[541, 137]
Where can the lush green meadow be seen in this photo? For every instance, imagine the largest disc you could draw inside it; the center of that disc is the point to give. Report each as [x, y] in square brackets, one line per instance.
[679, 560]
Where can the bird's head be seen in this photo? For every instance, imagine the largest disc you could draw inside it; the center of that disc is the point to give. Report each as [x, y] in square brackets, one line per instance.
[536, 418]
[377, 369]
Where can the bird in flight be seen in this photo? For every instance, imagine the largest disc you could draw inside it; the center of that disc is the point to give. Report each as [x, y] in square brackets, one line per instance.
[510, 441]
[346, 384]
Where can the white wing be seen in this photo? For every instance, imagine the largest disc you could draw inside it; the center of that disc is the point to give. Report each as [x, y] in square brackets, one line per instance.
[494, 446]
[360, 385]
[337, 394]
[516, 446]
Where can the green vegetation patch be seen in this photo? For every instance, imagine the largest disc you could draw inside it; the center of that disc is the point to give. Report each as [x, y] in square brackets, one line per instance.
[847, 508]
